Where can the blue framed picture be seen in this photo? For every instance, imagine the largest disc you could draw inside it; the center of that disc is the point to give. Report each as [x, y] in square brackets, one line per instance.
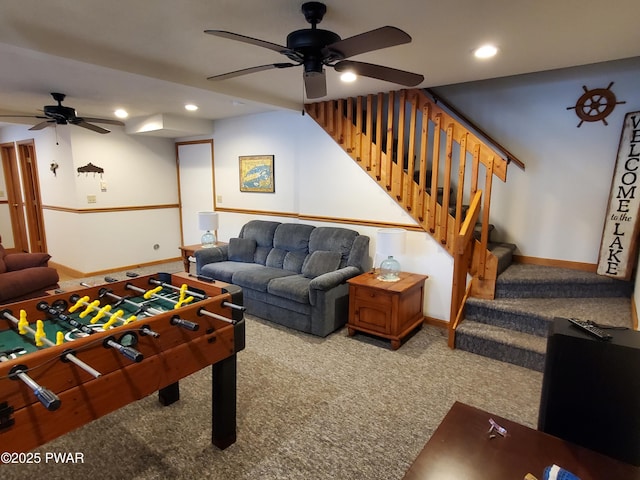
[256, 174]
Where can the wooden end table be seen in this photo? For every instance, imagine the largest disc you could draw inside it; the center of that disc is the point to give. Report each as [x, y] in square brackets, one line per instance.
[187, 251]
[386, 309]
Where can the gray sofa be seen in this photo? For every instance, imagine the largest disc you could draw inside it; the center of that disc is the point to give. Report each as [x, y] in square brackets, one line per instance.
[290, 273]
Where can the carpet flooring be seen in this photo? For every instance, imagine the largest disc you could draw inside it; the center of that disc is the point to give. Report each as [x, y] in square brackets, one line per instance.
[308, 408]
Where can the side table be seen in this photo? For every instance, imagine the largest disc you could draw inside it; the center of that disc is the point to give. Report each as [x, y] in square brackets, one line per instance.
[187, 251]
[390, 310]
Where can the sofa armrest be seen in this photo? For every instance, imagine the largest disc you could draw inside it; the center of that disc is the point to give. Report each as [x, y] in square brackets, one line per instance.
[211, 255]
[328, 280]
[20, 261]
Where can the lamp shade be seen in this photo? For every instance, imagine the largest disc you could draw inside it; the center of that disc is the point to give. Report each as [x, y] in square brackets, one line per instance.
[208, 220]
[390, 241]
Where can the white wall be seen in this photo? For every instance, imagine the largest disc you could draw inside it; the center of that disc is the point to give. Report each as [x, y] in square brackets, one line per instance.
[315, 177]
[138, 172]
[556, 207]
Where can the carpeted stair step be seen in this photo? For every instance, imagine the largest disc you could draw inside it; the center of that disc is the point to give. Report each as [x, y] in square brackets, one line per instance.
[504, 252]
[502, 344]
[521, 281]
[534, 315]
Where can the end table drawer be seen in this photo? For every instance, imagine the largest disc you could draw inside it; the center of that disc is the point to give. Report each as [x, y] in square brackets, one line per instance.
[372, 296]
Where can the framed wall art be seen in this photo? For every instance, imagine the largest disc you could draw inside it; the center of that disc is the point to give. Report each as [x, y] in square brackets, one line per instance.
[256, 174]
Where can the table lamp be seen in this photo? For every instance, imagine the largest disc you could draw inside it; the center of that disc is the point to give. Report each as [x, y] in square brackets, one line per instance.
[208, 221]
[390, 242]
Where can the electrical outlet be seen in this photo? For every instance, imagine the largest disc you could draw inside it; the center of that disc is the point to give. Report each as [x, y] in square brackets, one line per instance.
[1, 193]
[218, 198]
[91, 199]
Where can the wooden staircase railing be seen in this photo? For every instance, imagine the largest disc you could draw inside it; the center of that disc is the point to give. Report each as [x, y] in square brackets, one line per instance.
[413, 149]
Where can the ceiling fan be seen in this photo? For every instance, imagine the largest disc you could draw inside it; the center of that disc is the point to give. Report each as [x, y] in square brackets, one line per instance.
[61, 115]
[314, 48]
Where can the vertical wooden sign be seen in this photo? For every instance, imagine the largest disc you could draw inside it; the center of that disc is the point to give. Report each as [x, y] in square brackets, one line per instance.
[618, 246]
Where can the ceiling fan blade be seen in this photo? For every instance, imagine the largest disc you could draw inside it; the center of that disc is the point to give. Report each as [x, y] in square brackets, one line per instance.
[20, 116]
[45, 124]
[103, 120]
[251, 41]
[315, 84]
[382, 37]
[388, 74]
[246, 71]
[89, 126]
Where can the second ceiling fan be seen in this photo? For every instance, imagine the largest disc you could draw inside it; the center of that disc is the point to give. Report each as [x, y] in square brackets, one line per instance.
[314, 48]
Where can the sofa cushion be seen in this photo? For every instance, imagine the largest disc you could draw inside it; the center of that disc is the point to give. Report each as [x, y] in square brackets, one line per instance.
[23, 282]
[275, 259]
[20, 261]
[3, 266]
[319, 262]
[293, 287]
[242, 249]
[293, 237]
[293, 261]
[224, 270]
[334, 239]
[258, 279]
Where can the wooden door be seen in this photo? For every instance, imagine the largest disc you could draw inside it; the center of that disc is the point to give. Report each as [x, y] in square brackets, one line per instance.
[14, 240]
[31, 194]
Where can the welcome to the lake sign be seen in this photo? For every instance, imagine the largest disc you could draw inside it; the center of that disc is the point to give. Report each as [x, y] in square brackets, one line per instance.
[618, 248]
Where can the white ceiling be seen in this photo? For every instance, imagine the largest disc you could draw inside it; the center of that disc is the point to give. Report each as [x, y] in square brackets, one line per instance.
[152, 56]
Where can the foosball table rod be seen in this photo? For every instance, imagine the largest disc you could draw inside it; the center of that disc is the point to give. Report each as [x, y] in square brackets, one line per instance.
[65, 356]
[113, 317]
[201, 296]
[46, 397]
[142, 307]
[147, 294]
[202, 311]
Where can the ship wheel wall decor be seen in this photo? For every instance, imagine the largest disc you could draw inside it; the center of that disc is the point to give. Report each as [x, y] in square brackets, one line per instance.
[595, 105]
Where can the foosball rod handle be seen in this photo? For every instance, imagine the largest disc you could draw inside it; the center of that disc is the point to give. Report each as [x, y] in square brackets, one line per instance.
[186, 324]
[128, 352]
[46, 397]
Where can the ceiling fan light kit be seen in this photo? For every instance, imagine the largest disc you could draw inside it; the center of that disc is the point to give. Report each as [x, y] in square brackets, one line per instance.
[314, 48]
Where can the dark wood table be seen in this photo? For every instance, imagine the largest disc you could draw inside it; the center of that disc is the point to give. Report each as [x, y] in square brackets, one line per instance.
[461, 448]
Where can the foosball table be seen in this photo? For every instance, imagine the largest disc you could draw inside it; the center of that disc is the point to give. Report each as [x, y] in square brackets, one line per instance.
[69, 358]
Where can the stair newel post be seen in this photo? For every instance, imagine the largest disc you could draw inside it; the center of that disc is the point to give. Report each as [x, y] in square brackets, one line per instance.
[424, 138]
[410, 183]
[390, 147]
[358, 137]
[378, 146]
[484, 235]
[435, 162]
[461, 173]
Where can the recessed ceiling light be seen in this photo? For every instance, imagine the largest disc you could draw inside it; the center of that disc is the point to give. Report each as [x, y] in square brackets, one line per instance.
[121, 113]
[485, 51]
[348, 77]
[191, 107]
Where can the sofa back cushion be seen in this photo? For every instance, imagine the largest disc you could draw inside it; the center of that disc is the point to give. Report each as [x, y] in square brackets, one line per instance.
[319, 262]
[333, 239]
[3, 267]
[290, 246]
[242, 249]
[262, 232]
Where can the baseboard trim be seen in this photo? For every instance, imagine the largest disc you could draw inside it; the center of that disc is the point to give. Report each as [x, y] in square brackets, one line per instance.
[436, 322]
[552, 262]
[70, 272]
